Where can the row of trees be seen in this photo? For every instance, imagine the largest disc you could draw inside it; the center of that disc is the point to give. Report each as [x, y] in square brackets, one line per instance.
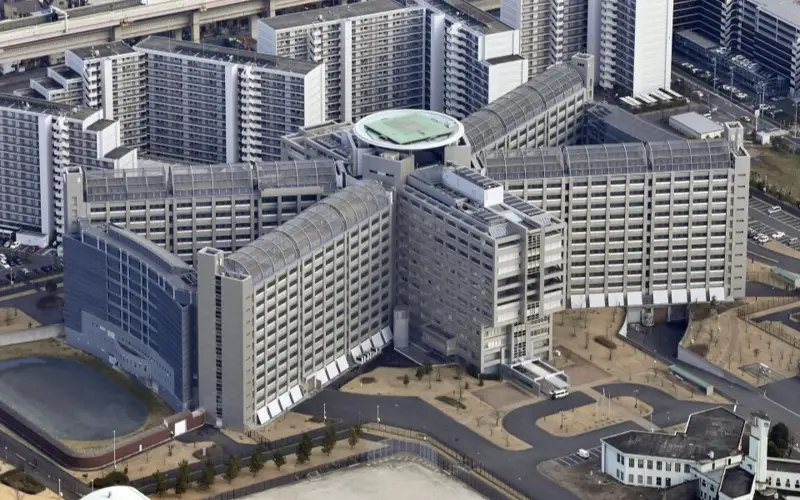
[258, 461]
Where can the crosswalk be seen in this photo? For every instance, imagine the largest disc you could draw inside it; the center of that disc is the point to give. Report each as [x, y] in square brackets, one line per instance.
[575, 459]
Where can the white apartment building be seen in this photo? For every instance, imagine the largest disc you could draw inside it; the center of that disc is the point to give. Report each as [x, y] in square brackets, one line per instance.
[38, 140]
[61, 85]
[372, 51]
[480, 271]
[211, 104]
[115, 81]
[551, 31]
[298, 307]
[632, 44]
[472, 58]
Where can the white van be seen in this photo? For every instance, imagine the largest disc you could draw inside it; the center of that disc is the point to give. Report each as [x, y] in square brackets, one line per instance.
[559, 393]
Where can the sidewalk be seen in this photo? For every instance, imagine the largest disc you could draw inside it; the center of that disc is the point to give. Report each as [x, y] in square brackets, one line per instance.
[629, 415]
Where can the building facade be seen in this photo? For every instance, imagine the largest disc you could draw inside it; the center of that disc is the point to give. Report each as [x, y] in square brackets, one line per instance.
[115, 81]
[551, 31]
[297, 306]
[547, 110]
[212, 104]
[132, 304]
[38, 140]
[480, 271]
[471, 58]
[372, 51]
[186, 208]
[632, 44]
[707, 453]
[664, 220]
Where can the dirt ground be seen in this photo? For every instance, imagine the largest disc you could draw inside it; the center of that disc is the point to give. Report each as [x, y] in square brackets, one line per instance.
[479, 416]
[340, 451]
[780, 169]
[759, 272]
[591, 417]
[287, 425]
[625, 363]
[156, 407]
[733, 343]
[13, 319]
[782, 249]
[587, 482]
[145, 464]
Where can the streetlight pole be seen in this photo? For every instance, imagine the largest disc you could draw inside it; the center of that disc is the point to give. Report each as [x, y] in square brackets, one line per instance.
[324, 413]
[59, 488]
[115, 449]
[378, 409]
[795, 118]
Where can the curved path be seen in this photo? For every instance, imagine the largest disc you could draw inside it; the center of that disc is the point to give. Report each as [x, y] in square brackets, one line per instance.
[516, 468]
[667, 411]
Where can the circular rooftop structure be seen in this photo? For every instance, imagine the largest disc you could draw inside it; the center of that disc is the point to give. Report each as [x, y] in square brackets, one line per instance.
[408, 129]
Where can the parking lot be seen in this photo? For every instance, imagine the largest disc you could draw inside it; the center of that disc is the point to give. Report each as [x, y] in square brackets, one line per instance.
[758, 227]
[24, 263]
[786, 218]
[574, 459]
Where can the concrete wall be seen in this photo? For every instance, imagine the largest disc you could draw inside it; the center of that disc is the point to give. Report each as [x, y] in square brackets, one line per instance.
[693, 359]
[32, 334]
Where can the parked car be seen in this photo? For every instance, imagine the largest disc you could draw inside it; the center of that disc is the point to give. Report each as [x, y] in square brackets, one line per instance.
[774, 209]
[584, 454]
[778, 235]
[792, 241]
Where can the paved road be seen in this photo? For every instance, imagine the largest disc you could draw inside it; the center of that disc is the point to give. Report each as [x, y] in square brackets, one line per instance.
[771, 258]
[667, 411]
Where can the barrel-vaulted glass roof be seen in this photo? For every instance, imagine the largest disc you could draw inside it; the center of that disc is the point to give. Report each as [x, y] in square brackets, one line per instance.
[606, 159]
[521, 105]
[308, 231]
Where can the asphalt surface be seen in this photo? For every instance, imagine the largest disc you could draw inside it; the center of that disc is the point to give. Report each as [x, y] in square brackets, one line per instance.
[662, 337]
[29, 304]
[72, 400]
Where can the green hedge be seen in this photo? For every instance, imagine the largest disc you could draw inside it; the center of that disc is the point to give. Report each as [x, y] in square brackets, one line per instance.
[21, 481]
[115, 478]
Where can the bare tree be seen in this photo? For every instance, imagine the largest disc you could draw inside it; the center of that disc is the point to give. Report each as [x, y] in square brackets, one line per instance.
[497, 416]
[478, 421]
[18, 494]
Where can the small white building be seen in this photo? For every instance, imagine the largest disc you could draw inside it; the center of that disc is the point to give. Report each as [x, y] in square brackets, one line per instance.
[693, 125]
[708, 452]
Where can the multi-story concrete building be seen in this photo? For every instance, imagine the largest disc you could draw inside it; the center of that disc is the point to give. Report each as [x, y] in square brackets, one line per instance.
[551, 31]
[373, 53]
[115, 81]
[664, 222]
[480, 270]
[61, 85]
[471, 58]
[218, 105]
[132, 304]
[547, 110]
[186, 208]
[632, 44]
[38, 139]
[297, 306]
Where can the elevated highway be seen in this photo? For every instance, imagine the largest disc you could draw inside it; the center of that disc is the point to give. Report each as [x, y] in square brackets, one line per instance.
[34, 37]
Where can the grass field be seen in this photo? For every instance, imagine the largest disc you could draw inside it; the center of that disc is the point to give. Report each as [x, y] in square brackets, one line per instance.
[780, 169]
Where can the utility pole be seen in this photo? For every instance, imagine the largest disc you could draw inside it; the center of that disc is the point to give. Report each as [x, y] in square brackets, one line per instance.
[759, 102]
[795, 117]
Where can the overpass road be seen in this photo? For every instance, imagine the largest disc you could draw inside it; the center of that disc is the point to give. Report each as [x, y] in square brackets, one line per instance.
[34, 37]
[29, 38]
